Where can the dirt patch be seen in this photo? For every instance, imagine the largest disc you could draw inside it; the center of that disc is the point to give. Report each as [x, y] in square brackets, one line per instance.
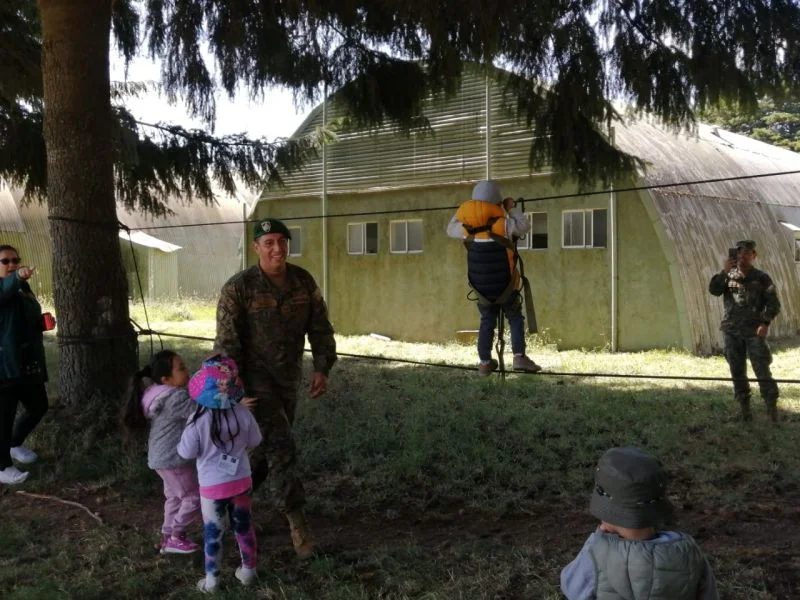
[763, 535]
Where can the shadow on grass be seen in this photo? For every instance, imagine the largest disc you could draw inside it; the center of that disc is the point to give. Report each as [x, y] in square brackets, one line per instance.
[430, 483]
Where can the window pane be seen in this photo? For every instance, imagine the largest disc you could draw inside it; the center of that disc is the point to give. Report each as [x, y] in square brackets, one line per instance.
[538, 233]
[398, 236]
[578, 230]
[573, 228]
[600, 228]
[797, 250]
[587, 228]
[372, 238]
[355, 238]
[565, 220]
[415, 236]
[296, 243]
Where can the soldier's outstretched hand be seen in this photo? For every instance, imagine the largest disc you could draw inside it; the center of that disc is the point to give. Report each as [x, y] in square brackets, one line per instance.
[319, 385]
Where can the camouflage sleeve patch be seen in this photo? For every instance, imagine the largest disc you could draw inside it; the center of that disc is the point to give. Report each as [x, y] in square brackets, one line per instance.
[229, 319]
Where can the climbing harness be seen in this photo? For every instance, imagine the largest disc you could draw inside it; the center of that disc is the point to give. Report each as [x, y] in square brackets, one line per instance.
[516, 266]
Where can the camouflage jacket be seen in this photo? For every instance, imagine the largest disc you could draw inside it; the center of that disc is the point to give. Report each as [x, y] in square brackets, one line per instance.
[263, 327]
[749, 300]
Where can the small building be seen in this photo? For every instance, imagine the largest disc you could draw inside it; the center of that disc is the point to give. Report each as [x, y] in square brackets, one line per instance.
[190, 253]
[625, 269]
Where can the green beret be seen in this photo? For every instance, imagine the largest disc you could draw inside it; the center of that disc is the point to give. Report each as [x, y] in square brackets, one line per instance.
[746, 245]
[270, 226]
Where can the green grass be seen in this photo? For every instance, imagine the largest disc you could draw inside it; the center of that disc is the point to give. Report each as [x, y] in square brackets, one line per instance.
[433, 483]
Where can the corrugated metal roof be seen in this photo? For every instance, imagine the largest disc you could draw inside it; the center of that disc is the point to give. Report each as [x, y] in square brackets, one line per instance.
[711, 153]
[10, 219]
[453, 151]
[143, 239]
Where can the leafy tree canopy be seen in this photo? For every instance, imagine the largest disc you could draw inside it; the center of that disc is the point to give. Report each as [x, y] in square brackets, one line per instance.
[774, 124]
[565, 61]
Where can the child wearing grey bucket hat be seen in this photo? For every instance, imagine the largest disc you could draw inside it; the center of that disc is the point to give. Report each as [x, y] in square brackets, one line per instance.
[629, 557]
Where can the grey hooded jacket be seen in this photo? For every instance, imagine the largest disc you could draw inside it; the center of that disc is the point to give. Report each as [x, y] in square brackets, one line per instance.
[167, 408]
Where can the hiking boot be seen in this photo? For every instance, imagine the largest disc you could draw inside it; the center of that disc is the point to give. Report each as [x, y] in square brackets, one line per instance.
[523, 363]
[485, 369]
[772, 412]
[245, 576]
[12, 475]
[747, 416]
[23, 456]
[179, 545]
[302, 539]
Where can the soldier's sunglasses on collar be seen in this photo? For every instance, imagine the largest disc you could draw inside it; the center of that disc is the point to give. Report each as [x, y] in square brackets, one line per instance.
[12, 261]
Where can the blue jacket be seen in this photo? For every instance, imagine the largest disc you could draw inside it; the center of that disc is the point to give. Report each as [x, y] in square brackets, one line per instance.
[21, 341]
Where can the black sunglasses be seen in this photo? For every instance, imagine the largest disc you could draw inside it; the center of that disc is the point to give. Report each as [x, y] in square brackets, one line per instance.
[12, 261]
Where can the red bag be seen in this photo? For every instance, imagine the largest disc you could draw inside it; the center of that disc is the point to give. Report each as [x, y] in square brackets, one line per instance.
[48, 322]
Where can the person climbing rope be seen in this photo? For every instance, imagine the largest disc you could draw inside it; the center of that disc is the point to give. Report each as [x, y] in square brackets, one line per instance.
[490, 225]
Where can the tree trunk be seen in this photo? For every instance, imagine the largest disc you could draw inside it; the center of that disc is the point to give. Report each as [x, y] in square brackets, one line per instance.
[97, 342]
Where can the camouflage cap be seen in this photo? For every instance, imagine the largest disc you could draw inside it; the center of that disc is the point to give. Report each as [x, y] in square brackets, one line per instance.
[746, 245]
[630, 489]
[270, 226]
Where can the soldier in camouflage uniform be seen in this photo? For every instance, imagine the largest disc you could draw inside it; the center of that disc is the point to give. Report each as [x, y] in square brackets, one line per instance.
[751, 303]
[263, 316]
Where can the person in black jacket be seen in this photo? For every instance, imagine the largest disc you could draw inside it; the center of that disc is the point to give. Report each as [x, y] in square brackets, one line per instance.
[23, 371]
[751, 303]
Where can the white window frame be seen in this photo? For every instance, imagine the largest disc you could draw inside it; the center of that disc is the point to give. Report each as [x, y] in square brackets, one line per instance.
[588, 228]
[391, 236]
[527, 240]
[298, 229]
[797, 250]
[363, 226]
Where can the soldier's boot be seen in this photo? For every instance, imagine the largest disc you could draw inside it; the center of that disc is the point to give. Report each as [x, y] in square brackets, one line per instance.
[744, 403]
[772, 410]
[302, 539]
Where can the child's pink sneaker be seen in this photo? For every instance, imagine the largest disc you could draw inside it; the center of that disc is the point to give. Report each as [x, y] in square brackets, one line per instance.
[180, 545]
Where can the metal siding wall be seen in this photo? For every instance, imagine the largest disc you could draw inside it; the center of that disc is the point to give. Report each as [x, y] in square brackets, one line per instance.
[210, 254]
[511, 139]
[33, 243]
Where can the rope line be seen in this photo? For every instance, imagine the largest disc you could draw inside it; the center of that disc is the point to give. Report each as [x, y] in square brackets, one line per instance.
[540, 373]
[653, 186]
[139, 282]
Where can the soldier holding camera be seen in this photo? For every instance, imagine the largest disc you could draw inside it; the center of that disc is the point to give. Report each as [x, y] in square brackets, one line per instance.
[751, 303]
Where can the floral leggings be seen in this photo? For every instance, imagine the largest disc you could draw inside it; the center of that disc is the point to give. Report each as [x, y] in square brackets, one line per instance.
[238, 510]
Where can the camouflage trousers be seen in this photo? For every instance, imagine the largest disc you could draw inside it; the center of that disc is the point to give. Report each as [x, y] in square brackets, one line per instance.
[275, 460]
[737, 348]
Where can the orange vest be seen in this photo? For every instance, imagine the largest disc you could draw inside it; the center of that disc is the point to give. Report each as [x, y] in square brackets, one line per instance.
[476, 213]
